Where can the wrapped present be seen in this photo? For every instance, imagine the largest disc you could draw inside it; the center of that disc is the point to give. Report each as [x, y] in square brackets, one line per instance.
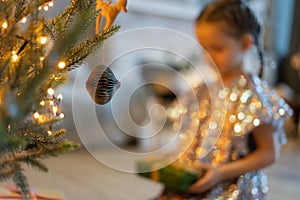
[174, 176]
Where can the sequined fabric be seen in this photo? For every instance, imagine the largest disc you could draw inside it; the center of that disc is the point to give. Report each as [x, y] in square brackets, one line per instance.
[249, 103]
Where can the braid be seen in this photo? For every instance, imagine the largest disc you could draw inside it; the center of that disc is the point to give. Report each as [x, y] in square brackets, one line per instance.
[261, 58]
[239, 19]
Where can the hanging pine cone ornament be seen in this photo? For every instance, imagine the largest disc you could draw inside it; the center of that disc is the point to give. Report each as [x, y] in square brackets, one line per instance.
[102, 84]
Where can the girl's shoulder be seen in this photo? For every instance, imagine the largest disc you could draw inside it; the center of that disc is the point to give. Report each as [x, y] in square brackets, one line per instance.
[256, 103]
[266, 94]
[261, 95]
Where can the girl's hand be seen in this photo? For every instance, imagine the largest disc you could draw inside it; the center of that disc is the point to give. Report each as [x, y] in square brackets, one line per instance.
[210, 179]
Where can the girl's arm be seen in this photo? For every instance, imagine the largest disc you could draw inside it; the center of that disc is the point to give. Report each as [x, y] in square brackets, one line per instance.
[264, 155]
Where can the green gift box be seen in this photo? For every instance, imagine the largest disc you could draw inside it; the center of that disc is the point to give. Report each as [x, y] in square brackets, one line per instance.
[174, 176]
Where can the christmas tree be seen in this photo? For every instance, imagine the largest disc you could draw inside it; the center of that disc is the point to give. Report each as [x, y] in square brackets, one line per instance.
[35, 55]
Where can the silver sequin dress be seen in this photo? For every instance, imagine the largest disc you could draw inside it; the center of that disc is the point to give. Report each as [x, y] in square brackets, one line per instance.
[249, 103]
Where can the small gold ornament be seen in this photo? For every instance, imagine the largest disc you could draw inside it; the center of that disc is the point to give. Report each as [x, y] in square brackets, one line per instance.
[102, 84]
[109, 12]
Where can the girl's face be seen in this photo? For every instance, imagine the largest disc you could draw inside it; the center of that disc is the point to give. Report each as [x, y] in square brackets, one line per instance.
[225, 50]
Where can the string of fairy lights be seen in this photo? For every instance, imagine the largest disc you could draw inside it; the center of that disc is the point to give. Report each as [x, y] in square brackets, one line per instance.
[51, 105]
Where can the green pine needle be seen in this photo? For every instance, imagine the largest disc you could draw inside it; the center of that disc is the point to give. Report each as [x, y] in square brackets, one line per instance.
[6, 172]
[21, 181]
[36, 164]
[27, 69]
[85, 48]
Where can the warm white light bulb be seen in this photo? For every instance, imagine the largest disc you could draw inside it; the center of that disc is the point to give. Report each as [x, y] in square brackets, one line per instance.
[50, 91]
[42, 103]
[60, 96]
[49, 133]
[15, 57]
[61, 65]
[4, 25]
[62, 115]
[23, 20]
[43, 40]
[50, 4]
[36, 115]
[256, 122]
[46, 8]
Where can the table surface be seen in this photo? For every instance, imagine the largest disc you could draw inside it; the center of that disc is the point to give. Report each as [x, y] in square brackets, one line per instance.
[80, 176]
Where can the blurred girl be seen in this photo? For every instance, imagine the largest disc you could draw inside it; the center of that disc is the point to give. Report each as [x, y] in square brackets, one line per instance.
[254, 120]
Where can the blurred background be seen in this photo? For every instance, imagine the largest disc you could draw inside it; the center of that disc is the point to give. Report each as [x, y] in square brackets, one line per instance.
[95, 181]
[281, 39]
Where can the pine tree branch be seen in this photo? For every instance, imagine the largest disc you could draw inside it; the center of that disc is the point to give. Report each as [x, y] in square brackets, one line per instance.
[64, 147]
[10, 162]
[9, 142]
[4, 121]
[61, 46]
[77, 9]
[21, 9]
[6, 172]
[57, 80]
[16, 155]
[82, 21]
[24, 80]
[34, 163]
[39, 135]
[38, 152]
[21, 181]
[4, 66]
[85, 48]
[24, 7]
[58, 133]
[68, 14]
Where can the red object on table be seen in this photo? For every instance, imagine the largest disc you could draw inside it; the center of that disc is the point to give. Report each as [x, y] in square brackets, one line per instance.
[16, 194]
